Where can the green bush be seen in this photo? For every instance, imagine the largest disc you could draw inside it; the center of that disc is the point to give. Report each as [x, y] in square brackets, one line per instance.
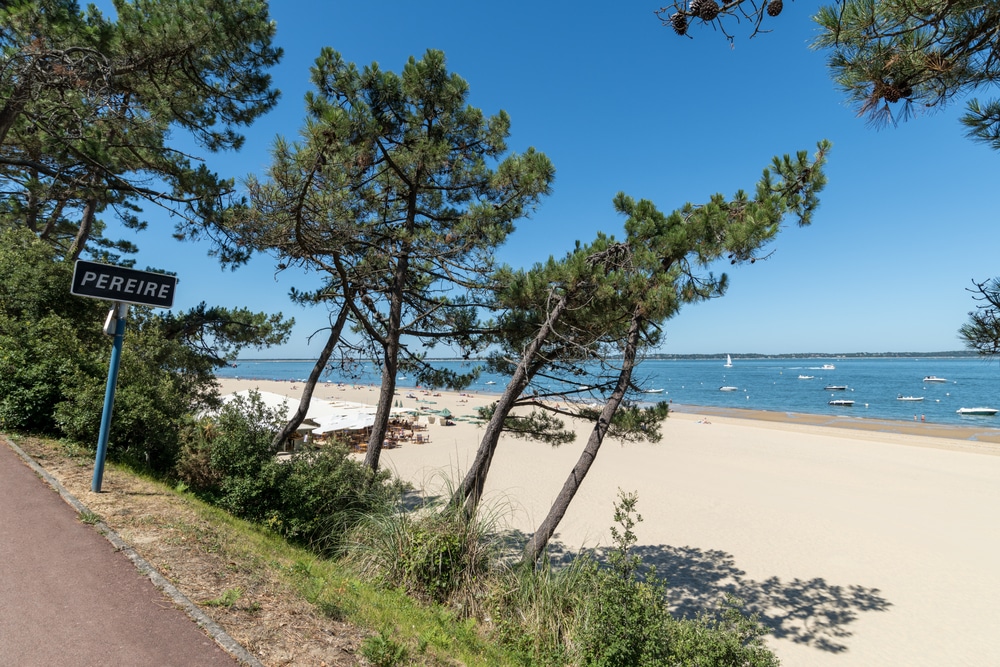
[533, 611]
[313, 498]
[627, 622]
[46, 335]
[381, 651]
[436, 554]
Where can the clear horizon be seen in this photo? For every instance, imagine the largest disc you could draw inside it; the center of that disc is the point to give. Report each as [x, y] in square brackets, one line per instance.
[620, 103]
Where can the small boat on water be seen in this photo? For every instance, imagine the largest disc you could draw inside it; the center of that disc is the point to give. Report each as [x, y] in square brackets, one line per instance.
[806, 377]
[490, 382]
[728, 388]
[982, 412]
[900, 397]
[934, 378]
[827, 367]
[846, 402]
[653, 391]
[835, 387]
[729, 362]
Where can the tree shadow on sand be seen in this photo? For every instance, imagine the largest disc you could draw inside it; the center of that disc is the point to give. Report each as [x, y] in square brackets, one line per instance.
[811, 612]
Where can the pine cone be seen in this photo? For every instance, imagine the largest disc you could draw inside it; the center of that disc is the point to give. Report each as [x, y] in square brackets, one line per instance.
[774, 7]
[679, 23]
[886, 91]
[708, 10]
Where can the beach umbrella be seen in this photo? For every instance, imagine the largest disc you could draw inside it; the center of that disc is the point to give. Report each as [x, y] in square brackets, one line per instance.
[445, 412]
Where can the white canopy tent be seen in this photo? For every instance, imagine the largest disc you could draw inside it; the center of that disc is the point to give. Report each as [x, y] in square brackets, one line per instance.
[321, 413]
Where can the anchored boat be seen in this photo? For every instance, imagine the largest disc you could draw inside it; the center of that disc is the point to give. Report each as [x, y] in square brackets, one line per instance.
[982, 412]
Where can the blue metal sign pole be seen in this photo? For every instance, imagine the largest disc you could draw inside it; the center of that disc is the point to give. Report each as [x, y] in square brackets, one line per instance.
[119, 311]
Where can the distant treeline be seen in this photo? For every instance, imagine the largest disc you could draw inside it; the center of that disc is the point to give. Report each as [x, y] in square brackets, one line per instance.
[822, 355]
[753, 355]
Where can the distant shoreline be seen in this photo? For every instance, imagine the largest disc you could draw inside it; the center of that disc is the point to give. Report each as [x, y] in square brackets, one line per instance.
[879, 428]
[955, 354]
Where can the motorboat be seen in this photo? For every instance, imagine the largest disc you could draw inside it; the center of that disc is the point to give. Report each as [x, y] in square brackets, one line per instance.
[846, 402]
[729, 362]
[728, 388]
[934, 378]
[900, 397]
[835, 387]
[653, 391]
[828, 367]
[490, 382]
[983, 412]
[806, 377]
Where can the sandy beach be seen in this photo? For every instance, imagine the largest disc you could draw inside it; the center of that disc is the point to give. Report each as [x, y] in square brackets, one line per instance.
[860, 542]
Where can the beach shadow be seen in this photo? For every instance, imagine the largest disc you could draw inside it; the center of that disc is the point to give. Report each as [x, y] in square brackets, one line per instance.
[811, 612]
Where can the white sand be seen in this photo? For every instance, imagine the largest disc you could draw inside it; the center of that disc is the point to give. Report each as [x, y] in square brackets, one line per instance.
[857, 547]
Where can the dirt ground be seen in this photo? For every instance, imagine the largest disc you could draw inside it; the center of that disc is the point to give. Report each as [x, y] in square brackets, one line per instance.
[248, 598]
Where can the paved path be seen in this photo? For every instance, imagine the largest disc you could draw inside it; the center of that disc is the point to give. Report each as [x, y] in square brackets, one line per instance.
[68, 597]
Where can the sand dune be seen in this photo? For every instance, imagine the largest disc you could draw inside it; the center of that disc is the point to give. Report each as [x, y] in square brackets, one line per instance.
[859, 543]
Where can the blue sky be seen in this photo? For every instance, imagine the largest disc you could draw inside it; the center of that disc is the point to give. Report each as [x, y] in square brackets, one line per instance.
[620, 103]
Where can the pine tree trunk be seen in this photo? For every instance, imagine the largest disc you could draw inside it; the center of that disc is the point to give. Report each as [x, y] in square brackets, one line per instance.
[82, 234]
[471, 490]
[390, 366]
[13, 106]
[536, 545]
[307, 390]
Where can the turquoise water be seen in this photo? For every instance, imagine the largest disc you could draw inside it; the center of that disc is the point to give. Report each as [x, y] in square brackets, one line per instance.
[771, 384]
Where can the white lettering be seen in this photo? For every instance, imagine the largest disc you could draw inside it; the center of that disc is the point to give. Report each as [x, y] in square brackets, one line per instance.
[130, 285]
[164, 289]
[88, 277]
[116, 283]
[102, 282]
[150, 289]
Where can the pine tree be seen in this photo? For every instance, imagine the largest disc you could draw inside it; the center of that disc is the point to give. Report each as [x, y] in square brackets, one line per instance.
[398, 193]
[87, 106]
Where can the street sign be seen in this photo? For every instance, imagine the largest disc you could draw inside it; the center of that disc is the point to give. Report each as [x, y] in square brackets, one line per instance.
[116, 283]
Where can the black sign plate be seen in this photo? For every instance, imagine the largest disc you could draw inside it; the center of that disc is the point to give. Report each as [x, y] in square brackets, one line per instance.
[116, 283]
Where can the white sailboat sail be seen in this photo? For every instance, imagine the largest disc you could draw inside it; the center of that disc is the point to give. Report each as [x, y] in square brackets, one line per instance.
[729, 361]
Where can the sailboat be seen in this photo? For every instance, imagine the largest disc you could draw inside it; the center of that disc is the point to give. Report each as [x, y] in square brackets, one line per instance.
[729, 362]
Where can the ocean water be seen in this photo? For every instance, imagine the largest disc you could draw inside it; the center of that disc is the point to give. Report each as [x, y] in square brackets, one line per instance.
[771, 384]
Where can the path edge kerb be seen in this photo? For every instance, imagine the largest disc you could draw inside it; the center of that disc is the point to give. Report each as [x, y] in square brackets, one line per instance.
[213, 629]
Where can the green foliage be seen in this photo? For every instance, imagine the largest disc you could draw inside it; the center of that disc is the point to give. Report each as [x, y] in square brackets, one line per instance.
[892, 57]
[312, 499]
[228, 598]
[54, 358]
[534, 610]
[441, 556]
[398, 194]
[627, 621]
[382, 651]
[88, 107]
[44, 337]
[982, 331]
[726, 639]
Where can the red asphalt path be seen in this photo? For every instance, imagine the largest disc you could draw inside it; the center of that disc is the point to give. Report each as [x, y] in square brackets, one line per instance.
[69, 597]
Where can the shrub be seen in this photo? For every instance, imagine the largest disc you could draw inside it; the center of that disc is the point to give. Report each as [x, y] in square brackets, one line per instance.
[627, 622]
[313, 499]
[381, 651]
[533, 611]
[435, 553]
